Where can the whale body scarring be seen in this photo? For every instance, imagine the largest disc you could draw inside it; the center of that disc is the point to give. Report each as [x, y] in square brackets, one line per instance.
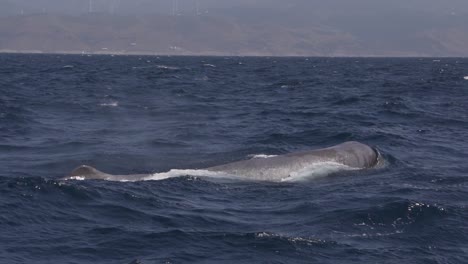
[351, 155]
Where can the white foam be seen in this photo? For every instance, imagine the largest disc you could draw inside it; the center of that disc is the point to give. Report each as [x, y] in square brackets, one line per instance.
[76, 178]
[262, 156]
[317, 170]
[309, 241]
[166, 67]
[466, 77]
[111, 104]
[371, 235]
[180, 173]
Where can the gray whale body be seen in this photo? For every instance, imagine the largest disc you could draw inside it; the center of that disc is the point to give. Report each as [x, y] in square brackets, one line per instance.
[352, 155]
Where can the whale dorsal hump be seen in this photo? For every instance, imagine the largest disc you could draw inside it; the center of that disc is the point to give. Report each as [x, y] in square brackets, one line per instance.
[87, 172]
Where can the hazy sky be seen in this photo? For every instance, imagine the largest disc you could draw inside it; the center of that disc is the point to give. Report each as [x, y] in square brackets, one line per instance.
[353, 15]
[189, 6]
[386, 21]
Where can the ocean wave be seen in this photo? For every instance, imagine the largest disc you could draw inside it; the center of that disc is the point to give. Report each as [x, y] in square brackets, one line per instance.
[166, 67]
[394, 217]
[295, 240]
[51, 120]
[38, 185]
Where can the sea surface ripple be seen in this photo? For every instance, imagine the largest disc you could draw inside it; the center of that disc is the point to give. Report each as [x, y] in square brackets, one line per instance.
[148, 114]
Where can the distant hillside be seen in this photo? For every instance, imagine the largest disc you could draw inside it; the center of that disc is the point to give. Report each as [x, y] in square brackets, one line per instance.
[211, 35]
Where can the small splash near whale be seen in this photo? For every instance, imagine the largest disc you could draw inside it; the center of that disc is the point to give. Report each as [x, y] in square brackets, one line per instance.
[77, 178]
[466, 78]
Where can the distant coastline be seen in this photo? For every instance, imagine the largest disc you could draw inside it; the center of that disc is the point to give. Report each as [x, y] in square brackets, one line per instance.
[162, 35]
[111, 53]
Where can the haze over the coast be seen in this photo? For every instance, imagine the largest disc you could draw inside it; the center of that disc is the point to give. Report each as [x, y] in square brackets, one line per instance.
[237, 27]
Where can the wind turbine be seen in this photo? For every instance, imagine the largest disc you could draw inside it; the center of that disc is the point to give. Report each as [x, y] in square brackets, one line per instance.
[175, 7]
[90, 6]
[116, 4]
[197, 7]
[112, 7]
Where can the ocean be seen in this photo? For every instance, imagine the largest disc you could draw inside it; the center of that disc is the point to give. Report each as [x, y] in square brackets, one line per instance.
[149, 114]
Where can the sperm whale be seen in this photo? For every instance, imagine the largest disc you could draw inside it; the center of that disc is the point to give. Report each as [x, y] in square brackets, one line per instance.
[349, 155]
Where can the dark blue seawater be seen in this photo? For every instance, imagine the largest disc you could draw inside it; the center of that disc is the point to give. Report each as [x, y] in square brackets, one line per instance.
[128, 115]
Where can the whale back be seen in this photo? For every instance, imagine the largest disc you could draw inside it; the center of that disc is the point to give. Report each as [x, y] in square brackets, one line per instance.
[351, 154]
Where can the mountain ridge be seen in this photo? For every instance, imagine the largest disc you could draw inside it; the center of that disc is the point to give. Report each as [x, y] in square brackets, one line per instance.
[101, 33]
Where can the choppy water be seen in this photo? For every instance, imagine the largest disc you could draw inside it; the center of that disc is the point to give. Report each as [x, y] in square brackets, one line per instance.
[149, 114]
